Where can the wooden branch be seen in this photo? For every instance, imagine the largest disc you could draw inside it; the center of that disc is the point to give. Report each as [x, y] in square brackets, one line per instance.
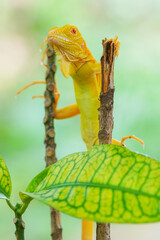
[50, 157]
[106, 113]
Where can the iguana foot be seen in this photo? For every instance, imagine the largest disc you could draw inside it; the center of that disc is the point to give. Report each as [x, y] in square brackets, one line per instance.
[29, 85]
[131, 137]
[116, 42]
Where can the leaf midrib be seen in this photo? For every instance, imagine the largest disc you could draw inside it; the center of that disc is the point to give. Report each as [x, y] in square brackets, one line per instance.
[102, 186]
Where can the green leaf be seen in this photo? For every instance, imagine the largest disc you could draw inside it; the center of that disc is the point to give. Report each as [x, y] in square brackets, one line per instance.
[5, 181]
[33, 185]
[109, 183]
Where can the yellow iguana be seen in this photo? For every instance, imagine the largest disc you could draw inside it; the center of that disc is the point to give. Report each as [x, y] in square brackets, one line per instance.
[76, 60]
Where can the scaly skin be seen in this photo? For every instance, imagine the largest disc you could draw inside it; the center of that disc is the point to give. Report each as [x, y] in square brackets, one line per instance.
[76, 60]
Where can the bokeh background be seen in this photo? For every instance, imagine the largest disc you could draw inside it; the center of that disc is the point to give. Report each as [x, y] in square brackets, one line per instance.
[24, 24]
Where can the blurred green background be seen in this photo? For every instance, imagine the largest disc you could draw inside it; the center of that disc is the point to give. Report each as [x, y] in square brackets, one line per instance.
[24, 24]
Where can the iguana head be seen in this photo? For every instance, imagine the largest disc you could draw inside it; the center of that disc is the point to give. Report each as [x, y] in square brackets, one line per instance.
[68, 42]
[69, 45]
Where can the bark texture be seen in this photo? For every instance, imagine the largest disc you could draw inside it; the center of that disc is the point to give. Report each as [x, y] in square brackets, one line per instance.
[106, 113]
[50, 157]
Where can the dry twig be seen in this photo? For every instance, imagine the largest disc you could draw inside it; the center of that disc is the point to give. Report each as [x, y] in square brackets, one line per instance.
[50, 158]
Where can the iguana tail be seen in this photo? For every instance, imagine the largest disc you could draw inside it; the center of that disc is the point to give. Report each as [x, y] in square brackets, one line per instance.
[87, 230]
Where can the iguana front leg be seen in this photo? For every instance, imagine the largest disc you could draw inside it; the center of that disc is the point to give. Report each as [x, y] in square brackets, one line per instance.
[67, 112]
[62, 113]
[29, 85]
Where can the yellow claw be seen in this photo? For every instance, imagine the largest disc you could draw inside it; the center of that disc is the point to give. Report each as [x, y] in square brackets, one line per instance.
[42, 44]
[117, 44]
[43, 56]
[56, 96]
[38, 96]
[44, 52]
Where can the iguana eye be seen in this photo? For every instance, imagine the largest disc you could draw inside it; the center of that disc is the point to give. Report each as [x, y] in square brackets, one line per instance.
[73, 31]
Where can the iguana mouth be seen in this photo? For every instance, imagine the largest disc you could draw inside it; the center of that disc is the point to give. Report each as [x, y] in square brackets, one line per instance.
[62, 38]
[63, 41]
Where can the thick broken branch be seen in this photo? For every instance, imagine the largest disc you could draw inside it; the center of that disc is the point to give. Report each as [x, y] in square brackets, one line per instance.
[106, 113]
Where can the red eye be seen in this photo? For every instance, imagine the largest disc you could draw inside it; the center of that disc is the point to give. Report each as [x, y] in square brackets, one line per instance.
[74, 31]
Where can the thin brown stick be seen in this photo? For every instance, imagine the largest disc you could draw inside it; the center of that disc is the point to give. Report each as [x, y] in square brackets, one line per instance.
[106, 113]
[50, 158]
